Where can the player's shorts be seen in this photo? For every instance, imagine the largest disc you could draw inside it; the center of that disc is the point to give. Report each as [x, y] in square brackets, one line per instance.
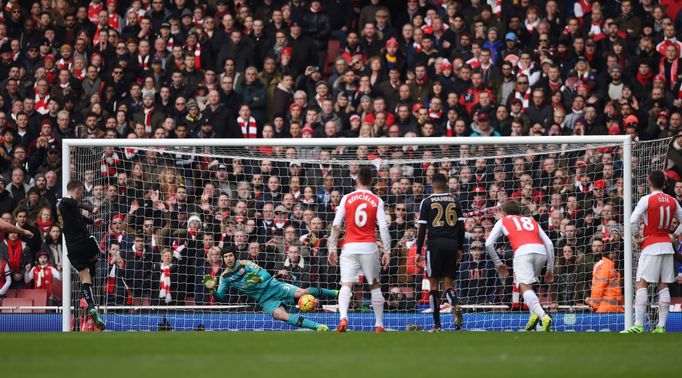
[353, 265]
[656, 268]
[277, 294]
[84, 255]
[527, 268]
[441, 258]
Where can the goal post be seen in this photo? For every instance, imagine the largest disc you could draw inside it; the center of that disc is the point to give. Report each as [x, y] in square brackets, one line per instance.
[194, 164]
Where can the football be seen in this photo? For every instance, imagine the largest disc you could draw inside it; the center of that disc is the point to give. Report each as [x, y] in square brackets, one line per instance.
[307, 303]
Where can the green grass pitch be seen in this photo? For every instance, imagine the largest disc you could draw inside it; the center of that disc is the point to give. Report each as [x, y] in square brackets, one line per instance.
[308, 354]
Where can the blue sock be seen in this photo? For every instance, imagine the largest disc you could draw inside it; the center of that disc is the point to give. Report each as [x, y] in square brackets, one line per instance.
[324, 293]
[301, 322]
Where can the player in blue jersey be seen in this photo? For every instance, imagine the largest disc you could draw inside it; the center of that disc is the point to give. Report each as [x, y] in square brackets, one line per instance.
[272, 295]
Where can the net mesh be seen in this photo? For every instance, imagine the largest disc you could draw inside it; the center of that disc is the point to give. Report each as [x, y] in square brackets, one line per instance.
[170, 212]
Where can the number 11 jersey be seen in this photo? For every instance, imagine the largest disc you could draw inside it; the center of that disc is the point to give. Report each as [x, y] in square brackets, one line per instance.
[657, 211]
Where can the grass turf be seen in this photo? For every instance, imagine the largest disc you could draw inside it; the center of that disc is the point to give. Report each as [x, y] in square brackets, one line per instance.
[308, 354]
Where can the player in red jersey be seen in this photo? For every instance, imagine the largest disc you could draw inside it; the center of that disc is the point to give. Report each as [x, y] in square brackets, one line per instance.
[532, 251]
[361, 210]
[656, 259]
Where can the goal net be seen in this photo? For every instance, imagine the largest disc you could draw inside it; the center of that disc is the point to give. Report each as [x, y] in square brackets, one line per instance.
[171, 208]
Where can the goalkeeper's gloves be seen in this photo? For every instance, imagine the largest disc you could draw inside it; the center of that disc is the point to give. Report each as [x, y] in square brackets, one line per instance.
[209, 282]
[253, 278]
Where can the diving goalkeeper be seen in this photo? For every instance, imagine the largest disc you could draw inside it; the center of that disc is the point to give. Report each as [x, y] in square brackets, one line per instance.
[272, 295]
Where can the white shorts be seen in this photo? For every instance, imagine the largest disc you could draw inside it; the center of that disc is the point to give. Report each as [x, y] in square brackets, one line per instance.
[527, 268]
[353, 265]
[656, 268]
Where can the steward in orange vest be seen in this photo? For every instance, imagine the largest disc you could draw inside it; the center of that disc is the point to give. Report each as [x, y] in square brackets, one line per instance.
[607, 289]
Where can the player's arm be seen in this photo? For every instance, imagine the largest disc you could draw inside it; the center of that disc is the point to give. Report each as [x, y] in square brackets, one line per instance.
[261, 273]
[461, 232]
[221, 290]
[85, 206]
[383, 228]
[640, 209]
[549, 249]
[254, 273]
[8, 280]
[422, 222]
[678, 215]
[495, 234]
[335, 231]
[9, 227]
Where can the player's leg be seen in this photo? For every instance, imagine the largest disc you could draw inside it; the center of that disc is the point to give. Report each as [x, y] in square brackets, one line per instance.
[84, 259]
[667, 276]
[449, 274]
[371, 267]
[663, 307]
[526, 270]
[641, 302]
[85, 276]
[646, 273]
[451, 297]
[434, 301]
[280, 313]
[316, 292]
[434, 270]
[349, 267]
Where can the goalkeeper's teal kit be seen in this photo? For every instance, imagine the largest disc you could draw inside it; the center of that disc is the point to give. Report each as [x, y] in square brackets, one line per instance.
[269, 293]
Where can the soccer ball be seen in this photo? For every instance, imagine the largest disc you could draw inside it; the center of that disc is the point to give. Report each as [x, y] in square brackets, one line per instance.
[307, 303]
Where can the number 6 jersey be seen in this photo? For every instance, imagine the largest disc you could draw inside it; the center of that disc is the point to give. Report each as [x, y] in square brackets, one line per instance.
[362, 210]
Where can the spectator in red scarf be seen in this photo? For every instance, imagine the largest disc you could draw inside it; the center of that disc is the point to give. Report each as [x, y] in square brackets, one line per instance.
[43, 274]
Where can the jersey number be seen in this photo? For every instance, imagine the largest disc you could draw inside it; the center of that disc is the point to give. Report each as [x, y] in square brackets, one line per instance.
[664, 221]
[361, 215]
[525, 223]
[450, 215]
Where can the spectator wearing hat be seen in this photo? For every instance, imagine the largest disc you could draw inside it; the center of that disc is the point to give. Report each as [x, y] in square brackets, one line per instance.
[302, 46]
[368, 13]
[315, 24]
[194, 118]
[42, 274]
[52, 160]
[428, 52]
[33, 203]
[616, 83]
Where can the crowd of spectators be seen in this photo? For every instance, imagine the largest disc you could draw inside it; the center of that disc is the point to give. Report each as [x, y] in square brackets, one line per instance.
[184, 69]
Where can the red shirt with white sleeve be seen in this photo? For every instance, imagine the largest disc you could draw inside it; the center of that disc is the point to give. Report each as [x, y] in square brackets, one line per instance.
[656, 211]
[525, 236]
[362, 210]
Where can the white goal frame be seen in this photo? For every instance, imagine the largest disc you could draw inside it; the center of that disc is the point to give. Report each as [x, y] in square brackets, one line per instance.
[624, 140]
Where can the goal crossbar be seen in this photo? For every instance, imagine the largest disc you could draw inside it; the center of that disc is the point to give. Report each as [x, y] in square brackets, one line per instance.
[622, 140]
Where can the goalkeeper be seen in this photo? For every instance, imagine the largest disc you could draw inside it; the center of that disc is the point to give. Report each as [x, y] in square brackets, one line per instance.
[272, 295]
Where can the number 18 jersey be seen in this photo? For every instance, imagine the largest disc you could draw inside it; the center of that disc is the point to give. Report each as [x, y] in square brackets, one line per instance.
[362, 212]
[523, 234]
